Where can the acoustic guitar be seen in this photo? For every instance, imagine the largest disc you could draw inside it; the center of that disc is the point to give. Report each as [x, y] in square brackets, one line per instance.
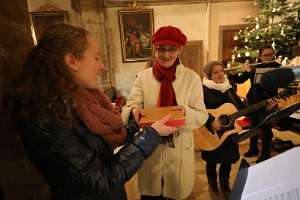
[208, 141]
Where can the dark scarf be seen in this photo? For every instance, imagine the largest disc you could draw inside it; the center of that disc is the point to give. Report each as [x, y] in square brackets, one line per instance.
[98, 114]
[166, 94]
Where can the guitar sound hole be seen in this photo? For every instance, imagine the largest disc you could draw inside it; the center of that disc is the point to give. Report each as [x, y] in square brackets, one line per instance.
[225, 120]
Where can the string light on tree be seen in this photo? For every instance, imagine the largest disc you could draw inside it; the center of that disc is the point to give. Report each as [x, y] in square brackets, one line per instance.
[257, 24]
[282, 32]
[276, 24]
[273, 44]
[233, 58]
[285, 62]
[269, 28]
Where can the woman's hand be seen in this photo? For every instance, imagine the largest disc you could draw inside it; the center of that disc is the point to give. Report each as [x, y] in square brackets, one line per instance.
[271, 103]
[137, 112]
[216, 125]
[232, 71]
[246, 67]
[162, 129]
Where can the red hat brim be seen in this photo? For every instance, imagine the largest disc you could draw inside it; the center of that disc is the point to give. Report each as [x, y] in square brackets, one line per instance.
[167, 42]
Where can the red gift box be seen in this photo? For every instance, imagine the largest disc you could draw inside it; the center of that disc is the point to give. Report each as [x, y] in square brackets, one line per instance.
[153, 114]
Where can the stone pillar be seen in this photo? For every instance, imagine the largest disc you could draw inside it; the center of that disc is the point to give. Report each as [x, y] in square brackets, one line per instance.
[18, 179]
[92, 18]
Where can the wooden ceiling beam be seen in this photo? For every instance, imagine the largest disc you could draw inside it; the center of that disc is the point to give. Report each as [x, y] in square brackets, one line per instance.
[126, 3]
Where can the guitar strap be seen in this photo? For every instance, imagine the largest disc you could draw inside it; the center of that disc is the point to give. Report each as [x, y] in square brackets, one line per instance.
[232, 97]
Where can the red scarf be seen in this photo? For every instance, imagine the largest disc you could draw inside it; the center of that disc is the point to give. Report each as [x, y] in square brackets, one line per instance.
[98, 114]
[166, 76]
[166, 94]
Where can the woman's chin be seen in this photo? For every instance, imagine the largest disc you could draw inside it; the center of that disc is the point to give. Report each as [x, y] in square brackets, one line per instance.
[220, 81]
[166, 64]
[91, 86]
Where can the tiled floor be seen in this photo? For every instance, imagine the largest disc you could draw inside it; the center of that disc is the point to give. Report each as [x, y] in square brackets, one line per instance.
[200, 191]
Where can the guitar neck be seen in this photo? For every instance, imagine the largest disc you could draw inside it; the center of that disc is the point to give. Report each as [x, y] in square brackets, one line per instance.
[248, 110]
[282, 95]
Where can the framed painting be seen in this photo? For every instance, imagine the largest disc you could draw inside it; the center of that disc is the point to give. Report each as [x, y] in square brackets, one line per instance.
[136, 30]
[40, 21]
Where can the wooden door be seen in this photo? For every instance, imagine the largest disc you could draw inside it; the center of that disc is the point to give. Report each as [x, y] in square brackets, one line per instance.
[192, 56]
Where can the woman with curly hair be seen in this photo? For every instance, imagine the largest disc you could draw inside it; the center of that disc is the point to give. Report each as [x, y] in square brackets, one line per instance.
[69, 128]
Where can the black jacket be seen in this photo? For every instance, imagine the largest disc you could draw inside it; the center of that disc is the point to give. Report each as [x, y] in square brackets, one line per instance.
[256, 93]
[79, 165]
[228, 151]
[214, 98]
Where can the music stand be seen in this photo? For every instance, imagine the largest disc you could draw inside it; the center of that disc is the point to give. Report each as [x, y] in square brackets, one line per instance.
[259, 72]
[271, 118]
[241, 178]
[240, 181]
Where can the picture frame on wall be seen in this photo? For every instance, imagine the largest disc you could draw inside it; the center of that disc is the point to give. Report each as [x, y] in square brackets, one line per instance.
[40, 21]
[136, 30]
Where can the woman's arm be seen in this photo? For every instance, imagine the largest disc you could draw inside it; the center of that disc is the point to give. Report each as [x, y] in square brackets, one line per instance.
[195, 112]
[124, 164]
[75, 156]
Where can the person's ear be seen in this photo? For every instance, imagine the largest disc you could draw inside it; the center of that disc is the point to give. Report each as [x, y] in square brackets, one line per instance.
[71, 61]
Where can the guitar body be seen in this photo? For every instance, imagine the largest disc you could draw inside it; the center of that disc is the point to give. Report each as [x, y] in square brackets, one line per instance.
[208, 141]
[226, 114]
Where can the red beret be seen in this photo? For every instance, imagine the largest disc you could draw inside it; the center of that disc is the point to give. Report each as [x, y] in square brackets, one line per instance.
[169, 35]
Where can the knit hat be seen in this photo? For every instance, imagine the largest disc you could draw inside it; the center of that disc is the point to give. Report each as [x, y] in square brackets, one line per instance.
[169, 35]
[209, 66]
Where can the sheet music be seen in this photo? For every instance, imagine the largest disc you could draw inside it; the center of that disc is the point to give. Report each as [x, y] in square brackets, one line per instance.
[259, 72]
[295, 115]
[275, 179]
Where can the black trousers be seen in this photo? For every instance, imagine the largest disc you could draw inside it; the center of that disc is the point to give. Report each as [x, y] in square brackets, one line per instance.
[267, 136]
[224, 171]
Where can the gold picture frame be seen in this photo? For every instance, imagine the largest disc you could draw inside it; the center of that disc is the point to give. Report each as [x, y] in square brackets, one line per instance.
[136, 30]
[40, 21]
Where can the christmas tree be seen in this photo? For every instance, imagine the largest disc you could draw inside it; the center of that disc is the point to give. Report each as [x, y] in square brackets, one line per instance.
[276, 24]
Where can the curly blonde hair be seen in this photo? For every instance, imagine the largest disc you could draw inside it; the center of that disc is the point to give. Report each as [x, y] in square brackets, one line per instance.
[46, 87]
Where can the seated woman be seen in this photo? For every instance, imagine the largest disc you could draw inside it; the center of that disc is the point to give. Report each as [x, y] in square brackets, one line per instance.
[69, 128]
[217, 91]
